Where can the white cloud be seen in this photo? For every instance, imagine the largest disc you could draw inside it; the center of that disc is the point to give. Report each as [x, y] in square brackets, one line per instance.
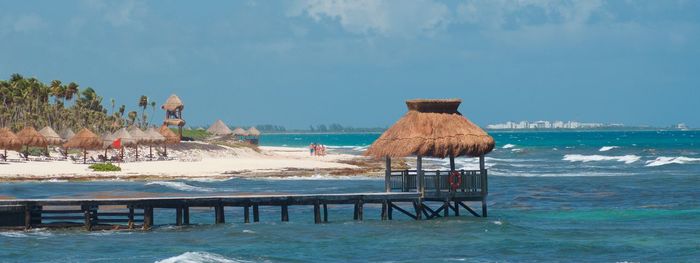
[505, 14]
[119, 13]
[382, 17]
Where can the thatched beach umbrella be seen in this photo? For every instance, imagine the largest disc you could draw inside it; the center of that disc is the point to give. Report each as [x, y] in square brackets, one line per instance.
[156, 139]
[85, 140]
[432, 128]
[140, 138]
[9, 141]
[107, 141]
[252, 131]
[30, 137]
[124, 138]
[219, 128]
[241, 133]
[173, 103]
[170, 137]
[67, 134]
[52, 138]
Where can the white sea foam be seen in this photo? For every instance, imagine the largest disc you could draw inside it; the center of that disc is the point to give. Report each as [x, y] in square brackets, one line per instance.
[508, 146]
[497, 222]
[319, 177]
[209, 180]
[248, 231]
[198, 257]
[671, 160]
[581, 174]
[516, 150]
[13, 234]
[628, 159]
[181, 186]
[607, 148]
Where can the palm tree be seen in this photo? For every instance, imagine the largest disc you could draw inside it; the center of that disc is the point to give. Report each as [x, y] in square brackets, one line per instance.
[153, 109]
[132, 117]
[143, 103]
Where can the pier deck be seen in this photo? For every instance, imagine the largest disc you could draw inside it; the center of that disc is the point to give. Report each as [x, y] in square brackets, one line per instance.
[114, 213]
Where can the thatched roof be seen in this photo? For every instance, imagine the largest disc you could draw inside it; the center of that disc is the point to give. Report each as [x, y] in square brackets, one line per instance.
[170, 136]
[174, 122]
[173, 103]
[107, 140]
[253, 132]
[155, 136]
[8, 140]
[84, 139]
[125, 136]
[219, 128]
[67, 134]
[30, 137]
[432, 128]
[52, 138]
[240, 132]
[139, 136]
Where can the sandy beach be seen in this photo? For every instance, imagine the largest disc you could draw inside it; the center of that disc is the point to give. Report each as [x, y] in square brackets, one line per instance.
[197, 160]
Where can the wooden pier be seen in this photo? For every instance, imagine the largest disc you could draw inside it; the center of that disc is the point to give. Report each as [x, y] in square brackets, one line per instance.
[120, 213]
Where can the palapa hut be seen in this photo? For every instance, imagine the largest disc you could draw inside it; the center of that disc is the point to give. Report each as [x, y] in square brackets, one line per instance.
[155, 139]
[67, 134]
[240, 133]
[85, 140]
[173, 107]
[9, 141]
[434, 128]
[253, 135]
[125, 140]
[170, 138]
[219, 128]
[107, 141]
[139, 137]
[30, 137]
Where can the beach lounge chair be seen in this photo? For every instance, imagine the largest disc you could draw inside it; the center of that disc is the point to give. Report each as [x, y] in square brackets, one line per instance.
[74, 159]
[23, 157]
[92, 160]
[3, 158]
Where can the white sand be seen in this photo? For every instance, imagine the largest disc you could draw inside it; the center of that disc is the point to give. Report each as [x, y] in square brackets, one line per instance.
[190, 163]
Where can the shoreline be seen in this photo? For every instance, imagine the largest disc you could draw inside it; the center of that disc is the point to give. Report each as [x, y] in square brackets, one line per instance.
[221, 162]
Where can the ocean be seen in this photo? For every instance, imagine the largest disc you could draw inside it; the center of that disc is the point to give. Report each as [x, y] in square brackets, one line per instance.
[588, 196]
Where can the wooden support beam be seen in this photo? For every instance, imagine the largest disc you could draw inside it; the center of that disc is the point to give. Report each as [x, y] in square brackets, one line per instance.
[285, 213]
[418, 206]
[246, 214]
[360, 209]
[27, 217]
[419, 177]
[456, 208]
[385, 210]
[411, 215]
[469, 209]
[390, 212]
[88, 218]
[186, 215]
[147, 217]
[325, 212]
[178, 216]
[446, 205]
[256, 213]
[220, 218]
[387, 175]
[452, 162]
[131, 217]
[317, 213]
[484, 210]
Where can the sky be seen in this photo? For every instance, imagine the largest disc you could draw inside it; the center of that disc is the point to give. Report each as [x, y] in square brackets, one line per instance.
[302, 62]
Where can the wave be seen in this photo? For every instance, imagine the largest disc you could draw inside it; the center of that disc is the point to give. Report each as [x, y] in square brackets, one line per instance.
[181, 186]
[582, 174]
[607, 148]
[671, 160]
[207, 257]
[508, 146]
[627, 159]
[319, 177]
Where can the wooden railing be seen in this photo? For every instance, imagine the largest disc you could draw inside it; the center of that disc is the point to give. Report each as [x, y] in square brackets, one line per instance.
[474, 182]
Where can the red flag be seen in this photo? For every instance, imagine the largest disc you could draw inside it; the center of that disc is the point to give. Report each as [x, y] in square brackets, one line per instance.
[117, 143]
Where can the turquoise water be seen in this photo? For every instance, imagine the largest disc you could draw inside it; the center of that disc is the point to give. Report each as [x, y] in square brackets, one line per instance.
[554, 196]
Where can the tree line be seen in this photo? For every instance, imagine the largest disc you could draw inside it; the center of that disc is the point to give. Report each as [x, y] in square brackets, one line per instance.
[28, 101]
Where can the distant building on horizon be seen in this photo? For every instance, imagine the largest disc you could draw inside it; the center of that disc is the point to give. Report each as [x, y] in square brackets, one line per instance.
[522, 125]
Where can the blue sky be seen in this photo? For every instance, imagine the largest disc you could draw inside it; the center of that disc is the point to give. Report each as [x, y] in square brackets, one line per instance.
[296, 63]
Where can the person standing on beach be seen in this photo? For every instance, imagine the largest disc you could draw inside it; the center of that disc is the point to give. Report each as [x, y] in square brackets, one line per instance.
[312, 147]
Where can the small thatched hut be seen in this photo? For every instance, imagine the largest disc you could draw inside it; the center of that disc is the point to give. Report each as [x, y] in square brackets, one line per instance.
[170, 137]
[125, 140]
[219, 128]
[67, 134]
[9, 141]
[52, 138]
[253, 135]
[30, 137]
[85, 140]
[173, 107]
[435, 128]
[240, 133]
[155, 139]
[140, 137]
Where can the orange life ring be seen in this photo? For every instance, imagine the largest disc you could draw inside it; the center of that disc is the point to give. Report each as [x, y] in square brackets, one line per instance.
[455, 184]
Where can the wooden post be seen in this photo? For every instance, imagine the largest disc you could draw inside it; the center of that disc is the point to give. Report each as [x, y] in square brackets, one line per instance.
[418, 206]
[246, 214]
[385, 210]
[390, 211]
[419, 175]
[256, 213]
[456, 208]
[325, 212]
[360, 208]
[285, 213]
[88, 218]
[219, 214]
[27, 217]
[131, 217]
[186, 215]
[387, 175]
[484, 186]
[317, 213]
[147, 217]
[447, 208]
[452, 162]
[178, 216]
